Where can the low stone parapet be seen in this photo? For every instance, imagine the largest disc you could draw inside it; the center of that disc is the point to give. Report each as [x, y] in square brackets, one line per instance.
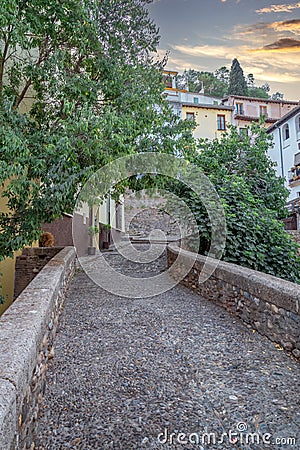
[268, 304]
[30, 263]
[27, 333]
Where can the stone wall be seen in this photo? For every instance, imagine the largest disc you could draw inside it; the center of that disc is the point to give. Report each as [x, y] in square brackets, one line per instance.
[144, 213]
[30, 263]
[27, 333]
[295, 235]
[266, 303]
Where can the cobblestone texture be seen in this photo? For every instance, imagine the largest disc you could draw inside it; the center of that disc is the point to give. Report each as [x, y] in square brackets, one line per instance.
[126, 370]
[269, 304]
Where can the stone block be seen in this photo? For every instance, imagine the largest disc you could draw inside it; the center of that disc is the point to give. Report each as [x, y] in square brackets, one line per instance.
[24, 334]
[8, 414]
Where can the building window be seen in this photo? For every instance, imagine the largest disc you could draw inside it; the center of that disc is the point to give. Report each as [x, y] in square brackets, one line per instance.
[286, 132]
[196, 100]
[167, 80]
[190, 116]
[239, 108]
[263, 111]
[221, 122]
[297, 159]
[298, 124]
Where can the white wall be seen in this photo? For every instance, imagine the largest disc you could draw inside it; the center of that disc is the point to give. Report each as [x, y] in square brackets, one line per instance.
[176, 98]
[284, 150]
[100, 213]
[189, 97]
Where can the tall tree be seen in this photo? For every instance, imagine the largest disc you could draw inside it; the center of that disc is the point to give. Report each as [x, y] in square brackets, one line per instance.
[237, 82]
[78, 87]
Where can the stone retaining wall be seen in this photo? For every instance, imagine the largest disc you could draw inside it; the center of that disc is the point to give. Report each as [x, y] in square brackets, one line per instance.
[27, 333]
[295, 235]
[144, 213]
[266, 303]
[29, 264]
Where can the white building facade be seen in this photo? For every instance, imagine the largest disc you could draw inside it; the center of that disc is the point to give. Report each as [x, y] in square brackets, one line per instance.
[176, 97]
[286, 151]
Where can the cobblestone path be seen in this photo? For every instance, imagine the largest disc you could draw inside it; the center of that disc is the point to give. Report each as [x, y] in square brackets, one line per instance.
[136, 373]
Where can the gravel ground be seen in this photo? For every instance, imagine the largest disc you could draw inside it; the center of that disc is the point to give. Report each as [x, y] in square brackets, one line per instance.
[135, 373]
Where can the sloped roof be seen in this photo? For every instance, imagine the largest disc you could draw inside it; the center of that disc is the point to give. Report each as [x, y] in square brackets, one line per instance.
[207, 106]
[284, 119]
[258, 99]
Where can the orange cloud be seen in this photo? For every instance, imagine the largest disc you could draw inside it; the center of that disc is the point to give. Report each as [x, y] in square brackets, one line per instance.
[281, 67]
[279, 8]
[287, 25]
[282, 45]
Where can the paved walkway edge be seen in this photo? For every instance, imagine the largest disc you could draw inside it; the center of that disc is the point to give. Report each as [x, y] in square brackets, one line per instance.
[27, 333]
[269, 304]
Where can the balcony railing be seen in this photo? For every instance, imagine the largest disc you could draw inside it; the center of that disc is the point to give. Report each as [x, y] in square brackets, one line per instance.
[294, 174]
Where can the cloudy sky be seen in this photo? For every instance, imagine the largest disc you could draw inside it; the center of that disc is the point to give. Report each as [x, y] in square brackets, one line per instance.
[207, 34]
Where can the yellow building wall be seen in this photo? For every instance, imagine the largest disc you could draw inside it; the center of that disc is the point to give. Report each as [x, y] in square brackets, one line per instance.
[7, 266]
[7, 269]
[206, 119]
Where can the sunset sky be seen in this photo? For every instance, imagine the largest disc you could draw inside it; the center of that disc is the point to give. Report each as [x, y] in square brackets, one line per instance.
[207, 34]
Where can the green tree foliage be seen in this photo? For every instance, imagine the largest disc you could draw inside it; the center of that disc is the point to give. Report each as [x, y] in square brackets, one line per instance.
[197, 81]
[253, 199]
[277, 96]
[260, 91]
[250, 80]
[237, 82]
[222, 75]
[256, 91]
[217, 84]
[78, 87]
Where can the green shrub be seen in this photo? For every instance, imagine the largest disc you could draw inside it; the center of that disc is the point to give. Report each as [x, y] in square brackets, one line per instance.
[253, 199]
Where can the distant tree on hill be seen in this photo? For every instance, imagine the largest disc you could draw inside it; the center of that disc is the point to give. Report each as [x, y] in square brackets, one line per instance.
[222, 74]
[223, 81]
[237, 82]
[258, 92]
[190, 79]
[250, 81]
[277, 96]
[195, 81]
